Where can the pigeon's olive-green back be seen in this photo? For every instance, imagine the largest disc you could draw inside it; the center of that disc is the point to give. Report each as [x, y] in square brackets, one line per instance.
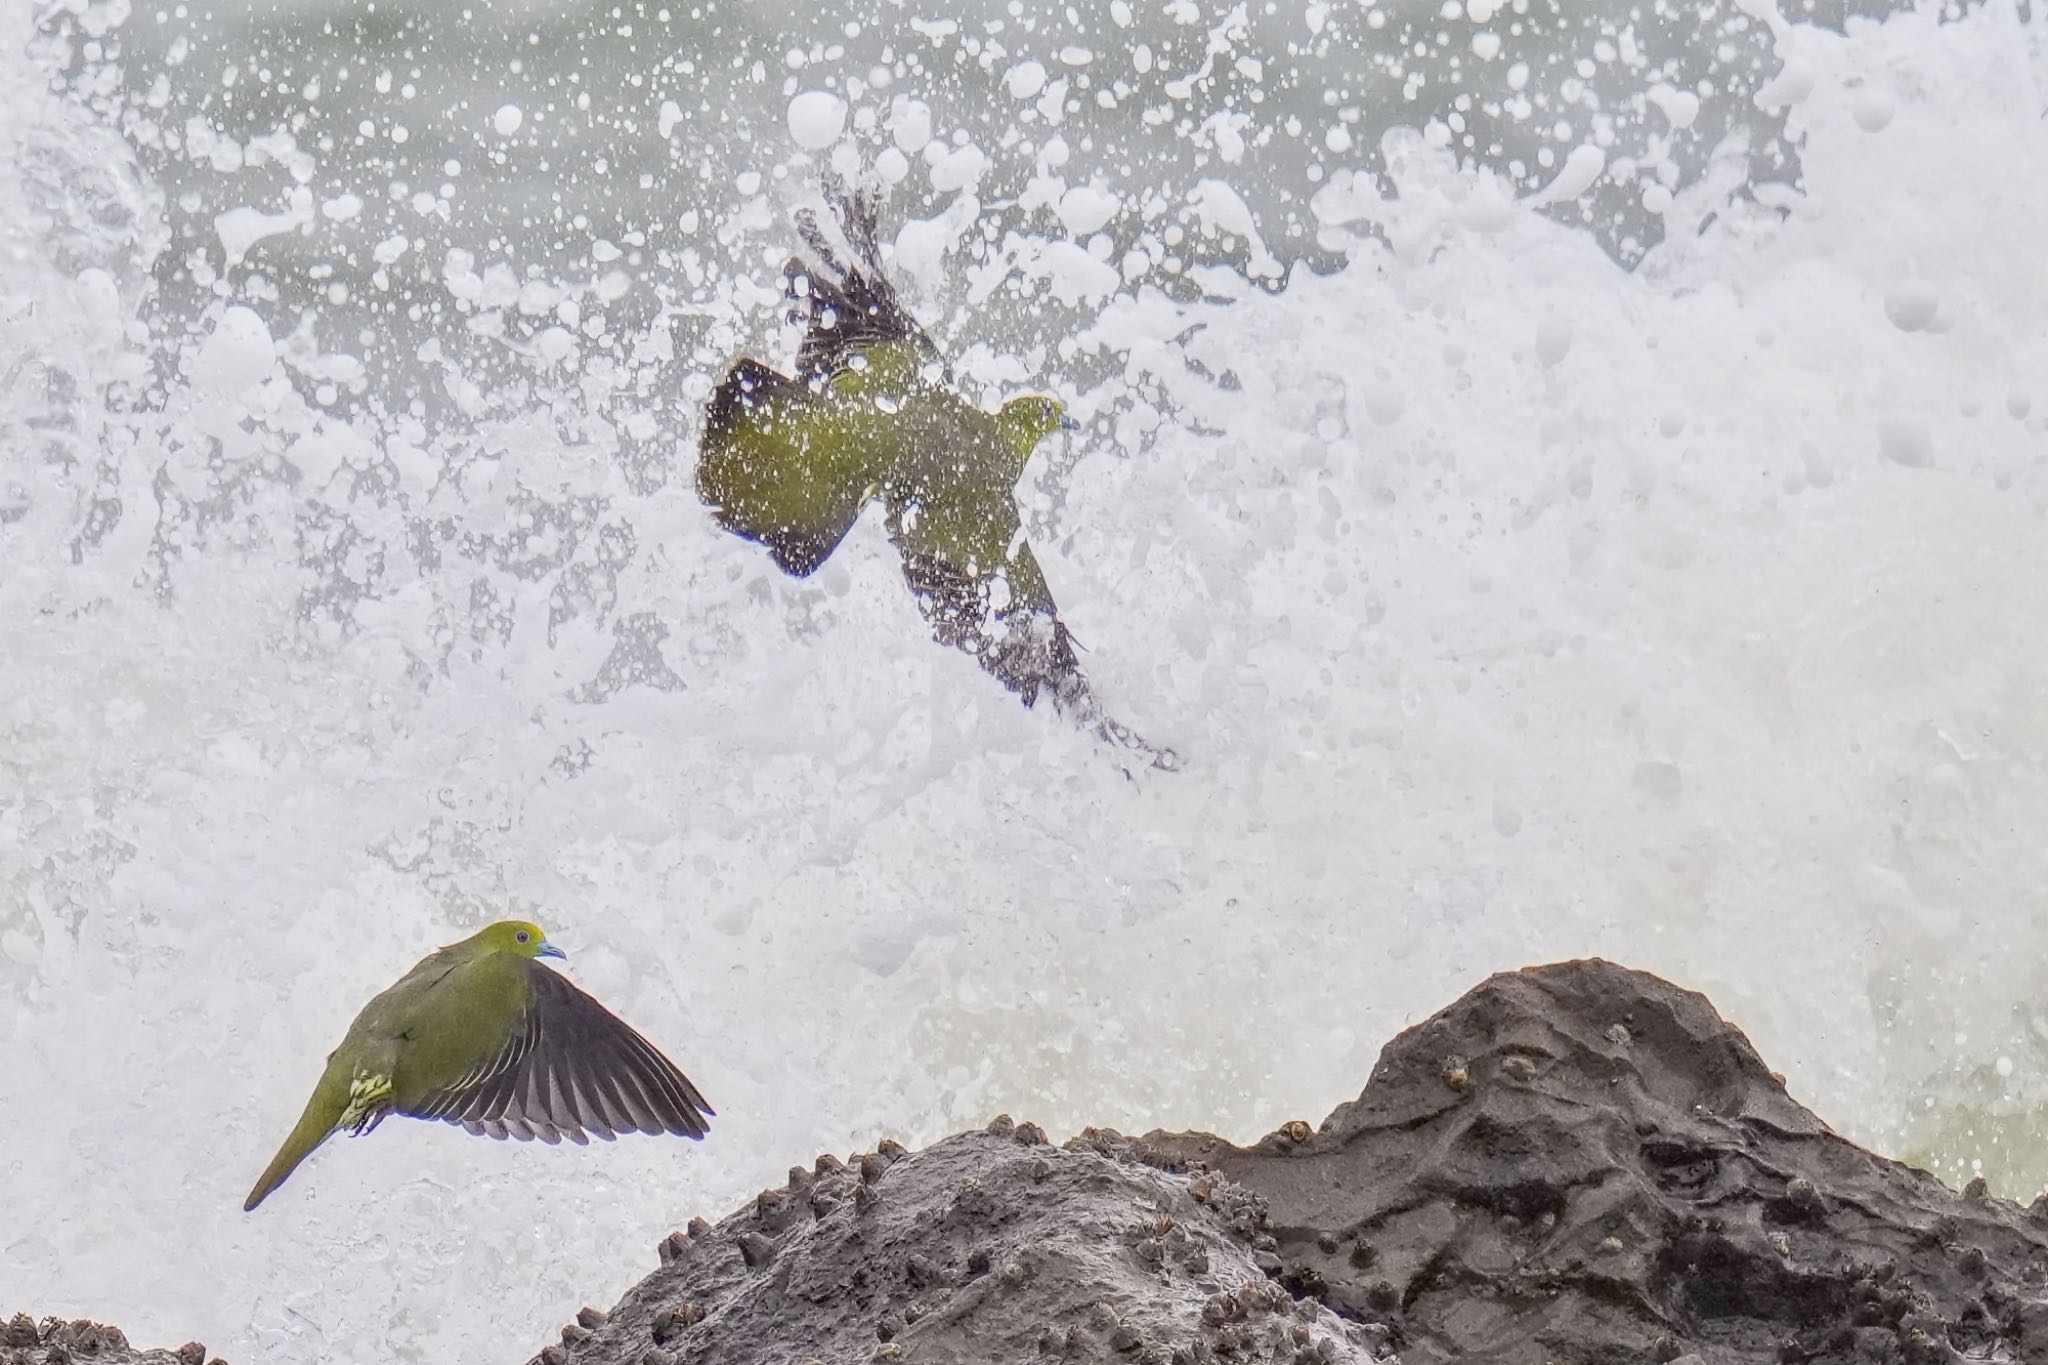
[794, 467]
[444, 1020]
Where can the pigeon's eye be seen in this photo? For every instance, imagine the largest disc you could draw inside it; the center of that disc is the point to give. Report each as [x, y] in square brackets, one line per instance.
[524, 936]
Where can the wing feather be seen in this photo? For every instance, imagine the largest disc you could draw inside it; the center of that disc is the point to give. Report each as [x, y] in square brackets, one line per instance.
[846, 301]
[572, 1069]
[771, 473]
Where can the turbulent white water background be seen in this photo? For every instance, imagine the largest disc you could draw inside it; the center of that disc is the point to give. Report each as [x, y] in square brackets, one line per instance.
[1504, 603]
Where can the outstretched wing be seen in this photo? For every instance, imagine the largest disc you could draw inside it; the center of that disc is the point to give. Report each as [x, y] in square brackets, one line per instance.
[770, 470]
[570, 1069]
[790, 462]
[844, 300]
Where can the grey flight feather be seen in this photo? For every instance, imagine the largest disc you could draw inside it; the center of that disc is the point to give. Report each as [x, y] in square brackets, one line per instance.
[572, 1069]
[846, 302]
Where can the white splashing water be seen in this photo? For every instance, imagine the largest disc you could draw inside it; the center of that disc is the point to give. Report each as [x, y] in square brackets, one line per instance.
[1505, 606]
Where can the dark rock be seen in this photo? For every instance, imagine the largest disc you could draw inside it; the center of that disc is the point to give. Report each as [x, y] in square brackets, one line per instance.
[1615, 1175]
[54, 1341]
[970, 1256]
[1576, 1163]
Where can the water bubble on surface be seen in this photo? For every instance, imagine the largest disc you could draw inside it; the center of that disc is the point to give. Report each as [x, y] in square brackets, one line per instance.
[1911, 304]
[816, 119]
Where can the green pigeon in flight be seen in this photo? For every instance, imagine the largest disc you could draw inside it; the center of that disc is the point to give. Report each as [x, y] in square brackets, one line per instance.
[871, 413]
[483, 1034]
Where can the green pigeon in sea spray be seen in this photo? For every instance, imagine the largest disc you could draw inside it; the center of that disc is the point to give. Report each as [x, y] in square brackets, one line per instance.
[871, 413]
[484, 1034]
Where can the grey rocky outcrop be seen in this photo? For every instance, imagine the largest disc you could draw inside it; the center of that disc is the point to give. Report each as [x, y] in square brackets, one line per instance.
[1576, 1163]
[990, 1246]
[54, 1341]
[1585, 1163]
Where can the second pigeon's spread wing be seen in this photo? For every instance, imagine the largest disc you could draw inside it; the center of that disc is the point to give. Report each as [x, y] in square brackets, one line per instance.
[790, 462]
[779, 464]
[570, 1068]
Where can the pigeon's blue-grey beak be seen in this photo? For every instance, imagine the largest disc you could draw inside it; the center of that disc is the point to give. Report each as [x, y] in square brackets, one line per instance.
[1067, 422]
[550, 950]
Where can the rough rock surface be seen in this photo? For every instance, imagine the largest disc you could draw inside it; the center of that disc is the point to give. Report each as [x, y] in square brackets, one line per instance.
[1582, 1163]
[988, 1246]
[1577, 1164]
[53, 1341]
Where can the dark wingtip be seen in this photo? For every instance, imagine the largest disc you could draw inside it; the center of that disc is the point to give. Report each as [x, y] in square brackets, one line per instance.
[747, 384]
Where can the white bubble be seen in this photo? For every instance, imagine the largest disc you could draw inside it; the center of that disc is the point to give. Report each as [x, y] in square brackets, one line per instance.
[1553, 340]
[816, 118]
[507, 119]
[98, 295]
[555, 345]
[1085, 208]
[236, 356]
[1580, 170]
[1905, 441]
[1911, 304]
[1789, 87]
[1874, 109]
[1679, 107]
[1024, 80]
[910, 125]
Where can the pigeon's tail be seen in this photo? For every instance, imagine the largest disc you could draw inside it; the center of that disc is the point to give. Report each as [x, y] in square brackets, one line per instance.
[838, 289]
[322, 1116]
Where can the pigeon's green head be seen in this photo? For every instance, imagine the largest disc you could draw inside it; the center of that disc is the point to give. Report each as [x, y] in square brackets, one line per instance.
[1028, 420]
[519, 937]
